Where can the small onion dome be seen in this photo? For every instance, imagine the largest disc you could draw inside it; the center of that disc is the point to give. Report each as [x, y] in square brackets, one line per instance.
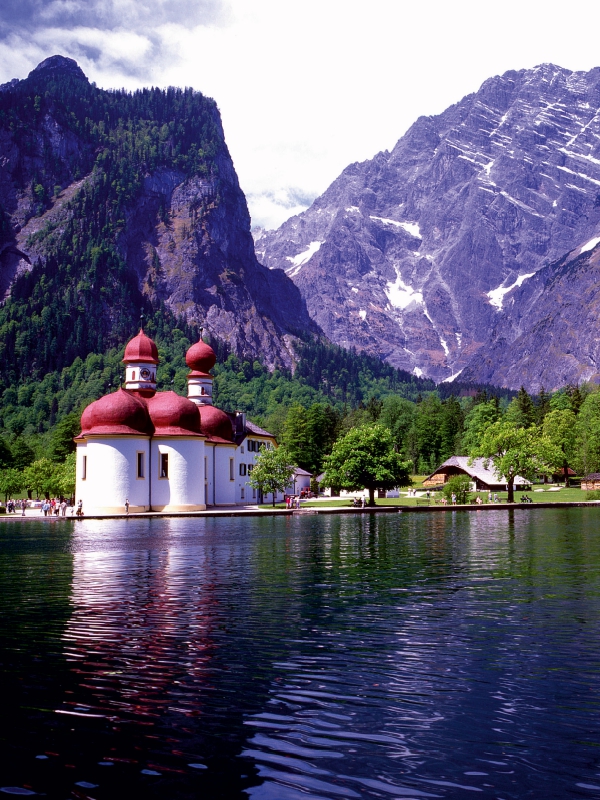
[117, 413]
[200, 358]
[173, 415]
[141, 349]
[214, 422]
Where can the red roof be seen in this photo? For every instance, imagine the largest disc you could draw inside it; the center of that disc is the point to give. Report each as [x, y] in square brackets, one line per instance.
[141, 349]
[173, 415]
[200, 357]
[215, 423]
[117, 413]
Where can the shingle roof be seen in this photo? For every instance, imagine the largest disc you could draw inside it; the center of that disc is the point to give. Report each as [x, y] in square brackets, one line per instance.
[477, 470]
[300, 471]
[252, 428]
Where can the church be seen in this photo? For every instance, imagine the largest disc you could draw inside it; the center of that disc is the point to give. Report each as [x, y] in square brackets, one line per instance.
[161, 451]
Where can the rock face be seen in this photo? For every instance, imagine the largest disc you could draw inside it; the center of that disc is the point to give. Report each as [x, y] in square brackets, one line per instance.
[548, 335]
[425, 255]
[184, 237]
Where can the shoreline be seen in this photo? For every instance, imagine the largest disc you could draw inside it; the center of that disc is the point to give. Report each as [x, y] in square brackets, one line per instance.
[253, 511]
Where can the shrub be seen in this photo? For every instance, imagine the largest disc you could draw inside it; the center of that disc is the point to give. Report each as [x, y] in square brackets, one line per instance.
[460, 485]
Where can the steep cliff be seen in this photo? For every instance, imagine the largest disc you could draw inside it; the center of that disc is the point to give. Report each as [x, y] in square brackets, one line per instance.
[113, 204]
[414, 254]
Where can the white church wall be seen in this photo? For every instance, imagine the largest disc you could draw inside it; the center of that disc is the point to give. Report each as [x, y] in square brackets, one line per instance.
[111, 475]
[225, 475]
[183, 487]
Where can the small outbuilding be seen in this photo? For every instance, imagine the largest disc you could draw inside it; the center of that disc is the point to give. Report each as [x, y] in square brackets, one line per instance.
[591, 482]
[484, 478]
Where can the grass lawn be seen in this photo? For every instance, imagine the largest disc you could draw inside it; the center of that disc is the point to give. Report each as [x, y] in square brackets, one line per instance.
[571, 495]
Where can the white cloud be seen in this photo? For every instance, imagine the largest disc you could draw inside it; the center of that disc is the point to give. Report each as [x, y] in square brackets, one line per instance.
[304, 88]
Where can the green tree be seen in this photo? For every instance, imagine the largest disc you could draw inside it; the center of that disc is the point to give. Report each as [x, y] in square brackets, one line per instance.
[560, 427]
[273, 471]
[322, 423]
[295, 436]
[42, 476]
[576, 397]
[11, 482]
[542, 406]
[427, 427]
[22, 453]
[451, 428]
[6, 456]
[588, 435]
[65, 476]
[365, 458]
[61, 439]
[521, 410]
[477, 421]
[397, 415]
[514, 450]
[460, 485]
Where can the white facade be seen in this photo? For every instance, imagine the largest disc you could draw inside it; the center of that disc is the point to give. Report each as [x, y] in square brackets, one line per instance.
[177, 481]
[107, 475]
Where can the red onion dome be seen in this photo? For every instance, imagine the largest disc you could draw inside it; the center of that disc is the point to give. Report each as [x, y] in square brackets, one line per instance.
[200, 357]
[214, 422]
[141, 349]
[173, 415]
[117, 413]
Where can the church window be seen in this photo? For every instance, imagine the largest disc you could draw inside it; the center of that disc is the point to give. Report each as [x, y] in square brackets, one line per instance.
[164, 465]
[141, 465]
[84, 468]
[242, 469]
[231, 470]
[250, 468]
[242, 492]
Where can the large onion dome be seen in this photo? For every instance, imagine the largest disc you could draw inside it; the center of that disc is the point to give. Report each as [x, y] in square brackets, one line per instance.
[200, 358]
[214, 422]
[141, 349]
[117, 413]
[173, 415]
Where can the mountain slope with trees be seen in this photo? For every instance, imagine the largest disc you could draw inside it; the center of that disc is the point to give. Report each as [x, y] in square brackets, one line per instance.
[115, 203]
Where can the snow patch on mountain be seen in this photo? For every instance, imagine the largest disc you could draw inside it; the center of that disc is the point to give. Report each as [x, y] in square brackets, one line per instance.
[590, 245]
[401, 295]
[300, 260]
[497, 295]
[409, 227]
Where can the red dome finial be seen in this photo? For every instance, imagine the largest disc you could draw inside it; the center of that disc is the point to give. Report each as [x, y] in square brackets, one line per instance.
[141, 349]
[200, 357]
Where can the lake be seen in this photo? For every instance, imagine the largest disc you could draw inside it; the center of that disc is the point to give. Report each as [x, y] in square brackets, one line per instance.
[293, 658]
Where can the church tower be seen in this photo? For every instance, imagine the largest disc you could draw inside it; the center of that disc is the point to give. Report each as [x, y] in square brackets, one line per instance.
[200, 358]
[141, 360]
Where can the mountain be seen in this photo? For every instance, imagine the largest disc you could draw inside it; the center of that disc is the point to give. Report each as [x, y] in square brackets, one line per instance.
[437, 255]
[547, 336]
[113, 204]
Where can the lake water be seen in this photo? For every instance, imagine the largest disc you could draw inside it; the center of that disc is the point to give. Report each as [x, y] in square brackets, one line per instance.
[396, 656]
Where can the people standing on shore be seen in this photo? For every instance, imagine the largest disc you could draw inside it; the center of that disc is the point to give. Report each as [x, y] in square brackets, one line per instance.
[80, 508]
[127, 505]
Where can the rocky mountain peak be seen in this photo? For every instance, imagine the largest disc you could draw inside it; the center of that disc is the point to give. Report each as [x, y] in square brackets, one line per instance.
[417, 254]
[59, 63]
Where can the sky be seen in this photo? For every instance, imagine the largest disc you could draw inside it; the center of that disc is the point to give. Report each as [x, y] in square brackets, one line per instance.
[304, 88]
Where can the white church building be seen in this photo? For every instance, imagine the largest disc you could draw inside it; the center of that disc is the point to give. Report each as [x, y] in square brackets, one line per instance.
[161, 451]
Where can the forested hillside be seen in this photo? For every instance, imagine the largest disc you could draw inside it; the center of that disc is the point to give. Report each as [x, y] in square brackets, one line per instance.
[115, 203]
